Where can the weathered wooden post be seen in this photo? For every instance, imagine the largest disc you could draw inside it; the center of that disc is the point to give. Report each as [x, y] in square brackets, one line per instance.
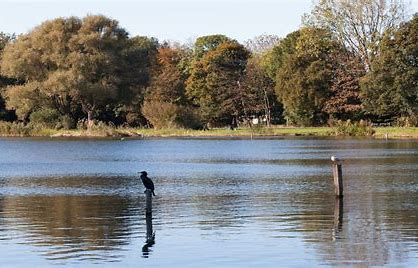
[148, 216]
[148, 200]
[338, 176]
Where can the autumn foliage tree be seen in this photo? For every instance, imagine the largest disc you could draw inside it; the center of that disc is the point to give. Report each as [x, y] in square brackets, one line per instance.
[165, 104]
[344, 101]
[168, 81]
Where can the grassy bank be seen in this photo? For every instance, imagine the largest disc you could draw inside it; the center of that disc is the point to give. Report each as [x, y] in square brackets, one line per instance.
[240, 132]
[396, 132]
[380, 133]
[108, 131]
[166, 133]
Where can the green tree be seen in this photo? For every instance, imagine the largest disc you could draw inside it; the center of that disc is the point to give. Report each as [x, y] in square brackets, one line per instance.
[204, 44]
[271, 60]
[70, 62]
[214, 83]
[304, 77]
[391, 89]
[139, 66]
[358, 25]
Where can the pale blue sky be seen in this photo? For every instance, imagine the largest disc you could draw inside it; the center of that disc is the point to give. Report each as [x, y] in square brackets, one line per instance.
[179, 20]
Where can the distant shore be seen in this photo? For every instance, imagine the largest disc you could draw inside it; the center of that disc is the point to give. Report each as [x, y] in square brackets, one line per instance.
[225, 133]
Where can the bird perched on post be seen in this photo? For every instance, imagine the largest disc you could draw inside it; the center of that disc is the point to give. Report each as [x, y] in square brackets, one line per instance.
[149, 185]
[335, 159]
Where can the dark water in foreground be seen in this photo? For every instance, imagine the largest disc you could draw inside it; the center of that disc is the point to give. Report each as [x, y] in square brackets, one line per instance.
[220, 203]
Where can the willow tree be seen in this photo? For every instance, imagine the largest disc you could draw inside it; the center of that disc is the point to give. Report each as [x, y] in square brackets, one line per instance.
[4, 81]
[68, 61]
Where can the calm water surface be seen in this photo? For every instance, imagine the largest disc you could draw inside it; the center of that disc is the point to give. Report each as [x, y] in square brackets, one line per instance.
[220, 203]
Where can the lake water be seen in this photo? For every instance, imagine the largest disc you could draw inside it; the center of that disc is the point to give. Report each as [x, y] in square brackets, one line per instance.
[219, 203]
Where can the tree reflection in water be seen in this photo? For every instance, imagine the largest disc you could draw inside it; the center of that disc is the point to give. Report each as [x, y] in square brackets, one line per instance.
[71, 226]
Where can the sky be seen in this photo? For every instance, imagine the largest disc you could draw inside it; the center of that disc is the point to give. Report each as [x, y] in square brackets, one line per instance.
[175, 20]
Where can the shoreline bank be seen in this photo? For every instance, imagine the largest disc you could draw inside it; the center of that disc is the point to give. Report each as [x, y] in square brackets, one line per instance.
[240, 133]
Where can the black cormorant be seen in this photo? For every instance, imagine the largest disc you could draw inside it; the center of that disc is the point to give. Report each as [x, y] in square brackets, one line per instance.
[147, 182]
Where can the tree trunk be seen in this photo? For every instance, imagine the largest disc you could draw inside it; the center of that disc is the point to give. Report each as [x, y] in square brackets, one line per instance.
[89, 119]
[267, 110]
[89, 109]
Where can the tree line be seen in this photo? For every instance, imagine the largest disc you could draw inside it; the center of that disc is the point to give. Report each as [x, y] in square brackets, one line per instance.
[350, 60]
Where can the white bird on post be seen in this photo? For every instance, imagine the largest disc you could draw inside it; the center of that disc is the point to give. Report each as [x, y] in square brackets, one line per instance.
[335, 159]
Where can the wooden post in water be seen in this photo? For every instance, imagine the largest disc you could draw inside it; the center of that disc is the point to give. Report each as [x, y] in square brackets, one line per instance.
[148, 197]
[148, 217]
[338, 176]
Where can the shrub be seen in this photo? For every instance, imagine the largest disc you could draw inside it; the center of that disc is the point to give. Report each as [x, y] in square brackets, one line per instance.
[81, 124]
[348, 128]
[16, 129]
[99, 128]
[188, 117]
[161, 114]
[67, 122]
[45, 118]
[169, 115]
[406, 121]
